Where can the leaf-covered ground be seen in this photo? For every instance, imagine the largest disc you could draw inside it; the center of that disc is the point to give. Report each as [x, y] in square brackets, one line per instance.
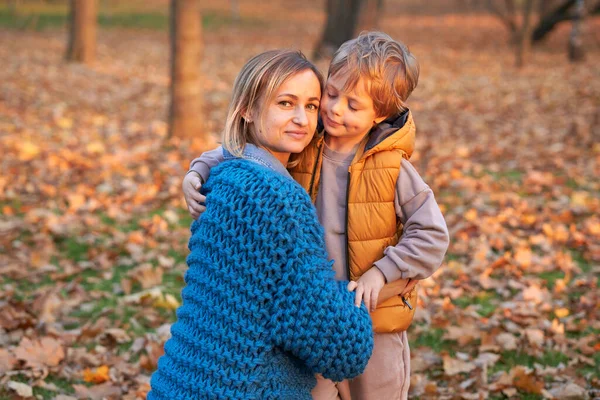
[93, 228]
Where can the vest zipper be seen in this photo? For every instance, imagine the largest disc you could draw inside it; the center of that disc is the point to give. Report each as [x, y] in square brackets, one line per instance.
[314, 172]
[347, 233]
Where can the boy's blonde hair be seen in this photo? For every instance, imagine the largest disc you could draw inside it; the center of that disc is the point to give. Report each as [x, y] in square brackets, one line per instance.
[389, 70]
[256, 85]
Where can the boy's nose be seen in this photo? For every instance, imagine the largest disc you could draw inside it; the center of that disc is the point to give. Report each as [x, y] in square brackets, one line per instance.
[335, 107]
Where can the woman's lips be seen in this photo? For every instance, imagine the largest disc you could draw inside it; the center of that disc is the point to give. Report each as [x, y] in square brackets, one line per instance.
[297, 134]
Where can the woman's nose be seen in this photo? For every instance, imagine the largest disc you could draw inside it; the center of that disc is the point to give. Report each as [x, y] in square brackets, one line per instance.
[301, 118]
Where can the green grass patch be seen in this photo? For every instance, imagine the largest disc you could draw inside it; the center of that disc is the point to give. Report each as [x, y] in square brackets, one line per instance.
[512, 358]
[15, 204]
[41, 18]
[511, 175]
[100, 283]
[72, 248]
[62, 384]
[485, 302]
[580, 260]
[97, 308]
[592, 371]
[550, 277]
[432, 338]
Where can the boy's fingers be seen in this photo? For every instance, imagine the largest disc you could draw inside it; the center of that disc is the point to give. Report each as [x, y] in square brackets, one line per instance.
[409, 287]
[197, 197]
[367, 297]
[199, 208]
[358, 295]
[352, 285]
[374, 298]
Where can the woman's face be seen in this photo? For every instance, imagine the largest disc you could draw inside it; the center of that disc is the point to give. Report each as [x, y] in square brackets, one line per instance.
[289, 119]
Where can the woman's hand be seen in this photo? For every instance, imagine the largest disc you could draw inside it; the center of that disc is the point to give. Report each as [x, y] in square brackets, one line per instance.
[191, 191]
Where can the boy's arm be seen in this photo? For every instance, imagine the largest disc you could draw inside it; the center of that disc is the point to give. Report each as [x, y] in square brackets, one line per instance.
[196, 176]
[203, 164]
[425, 238]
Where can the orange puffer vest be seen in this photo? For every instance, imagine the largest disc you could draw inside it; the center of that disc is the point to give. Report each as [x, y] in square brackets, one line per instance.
[371, 221]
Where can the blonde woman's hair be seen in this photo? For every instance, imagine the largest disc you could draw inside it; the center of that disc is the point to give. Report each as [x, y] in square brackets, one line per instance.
[255, 85]
[389, 70]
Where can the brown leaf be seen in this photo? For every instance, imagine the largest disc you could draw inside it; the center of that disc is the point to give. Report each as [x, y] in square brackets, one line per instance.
[21, 389]
[453, 366]
[98, 392]
[7, 361]
[45, 352]
[527, 382]
[535, 337]
[570, 391]
[147, 275]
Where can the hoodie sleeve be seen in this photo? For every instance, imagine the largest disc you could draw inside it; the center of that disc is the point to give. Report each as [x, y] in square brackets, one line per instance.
[314, 316]
[207, 160]
[425, 238]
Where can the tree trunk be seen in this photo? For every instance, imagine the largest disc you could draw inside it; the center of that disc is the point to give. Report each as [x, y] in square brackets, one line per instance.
[507, 16]
[342, 19]
[524, 44]
[82, 33]
[369, 15]
[12, 6]
[235, 9]
[575, 40]
[185, 116]
[549, 21]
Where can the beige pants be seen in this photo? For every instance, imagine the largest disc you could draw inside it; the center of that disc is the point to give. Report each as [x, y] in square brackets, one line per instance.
[387, 376]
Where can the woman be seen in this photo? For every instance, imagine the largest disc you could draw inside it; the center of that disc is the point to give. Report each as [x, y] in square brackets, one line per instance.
[261, 311]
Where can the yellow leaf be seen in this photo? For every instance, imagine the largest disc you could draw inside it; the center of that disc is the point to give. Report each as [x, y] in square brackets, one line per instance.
[65, 123]
[557, 327]
[28, 151]
[523, 257]
[168, 302]
[95, 148]
[561, 312]
[579, 199]
[97, 375]
[471, 215]
[76, 201]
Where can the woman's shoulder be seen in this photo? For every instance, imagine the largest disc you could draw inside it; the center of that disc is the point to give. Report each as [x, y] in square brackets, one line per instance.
[249, 177]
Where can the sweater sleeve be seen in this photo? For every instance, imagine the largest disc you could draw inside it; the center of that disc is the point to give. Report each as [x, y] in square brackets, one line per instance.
[207, 160]
[425, 238]
[314, 316]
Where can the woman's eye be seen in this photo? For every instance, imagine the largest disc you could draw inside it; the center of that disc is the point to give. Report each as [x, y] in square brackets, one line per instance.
[352, 108]
[313, 107]
[331, 95]
[285, 103]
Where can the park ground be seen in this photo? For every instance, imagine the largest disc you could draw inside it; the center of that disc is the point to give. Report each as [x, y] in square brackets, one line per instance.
[93, 226]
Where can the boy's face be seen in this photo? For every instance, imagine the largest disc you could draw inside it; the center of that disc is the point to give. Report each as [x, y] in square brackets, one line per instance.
[347, 115]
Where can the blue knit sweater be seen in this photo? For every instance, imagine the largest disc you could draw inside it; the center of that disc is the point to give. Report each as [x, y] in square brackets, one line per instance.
[261, 310]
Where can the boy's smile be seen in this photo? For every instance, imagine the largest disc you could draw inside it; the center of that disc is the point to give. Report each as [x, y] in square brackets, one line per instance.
[347, 115]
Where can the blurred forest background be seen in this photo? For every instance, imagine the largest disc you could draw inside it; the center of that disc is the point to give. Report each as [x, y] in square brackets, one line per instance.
[95, 138]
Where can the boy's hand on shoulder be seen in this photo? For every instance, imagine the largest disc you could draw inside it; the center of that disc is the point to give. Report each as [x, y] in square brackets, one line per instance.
[191, 191]
[368, 287]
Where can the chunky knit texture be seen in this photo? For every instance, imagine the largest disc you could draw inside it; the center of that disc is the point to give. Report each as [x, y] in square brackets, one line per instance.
[261, 311]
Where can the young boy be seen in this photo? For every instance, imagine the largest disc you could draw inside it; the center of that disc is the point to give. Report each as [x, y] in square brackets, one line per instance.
[382, 224]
